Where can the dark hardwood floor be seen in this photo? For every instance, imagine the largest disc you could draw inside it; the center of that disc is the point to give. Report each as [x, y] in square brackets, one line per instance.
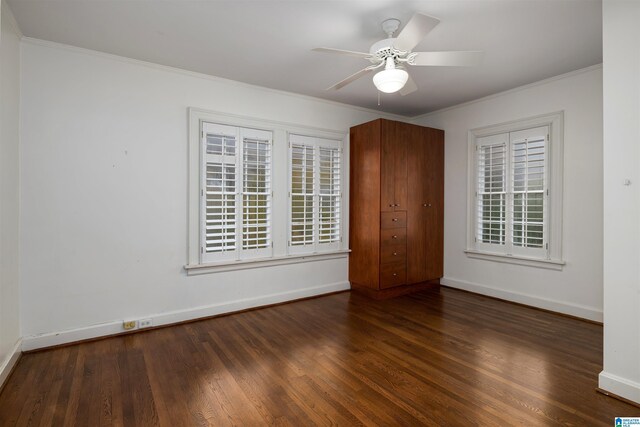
[443, 358]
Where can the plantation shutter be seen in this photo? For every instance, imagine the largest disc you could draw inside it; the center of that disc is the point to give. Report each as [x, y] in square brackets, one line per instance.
[220, 190]
[529, 188]
[256, 192]
[236, 193]
[315, 194]
[330, 195]
[302, 207]
[511, 193]
[491, 191]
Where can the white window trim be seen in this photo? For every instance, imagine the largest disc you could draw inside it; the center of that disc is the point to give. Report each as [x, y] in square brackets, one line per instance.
[555, 121]
[194, 270]
[280, 131]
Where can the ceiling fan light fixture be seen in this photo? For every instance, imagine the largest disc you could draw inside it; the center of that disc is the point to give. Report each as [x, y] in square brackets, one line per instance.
[391, 79]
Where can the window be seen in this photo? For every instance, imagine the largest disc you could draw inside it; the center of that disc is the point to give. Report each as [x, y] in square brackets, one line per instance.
[315, 194]
[236, 193]
[516, 190]
[511, 192]
[243, 183]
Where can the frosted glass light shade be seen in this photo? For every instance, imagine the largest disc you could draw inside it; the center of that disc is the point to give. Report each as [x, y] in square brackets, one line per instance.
[390, 80]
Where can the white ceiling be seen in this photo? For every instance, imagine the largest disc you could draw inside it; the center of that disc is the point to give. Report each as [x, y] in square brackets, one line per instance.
[268, 43]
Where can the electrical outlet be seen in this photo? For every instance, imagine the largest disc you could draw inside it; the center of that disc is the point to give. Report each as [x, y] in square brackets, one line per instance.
[145, 323]
[127, 325]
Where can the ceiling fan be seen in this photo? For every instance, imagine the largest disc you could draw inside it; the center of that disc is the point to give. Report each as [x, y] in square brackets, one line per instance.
[395, 52]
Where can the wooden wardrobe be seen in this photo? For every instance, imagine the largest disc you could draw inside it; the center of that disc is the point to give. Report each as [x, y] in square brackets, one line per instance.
[396, 210]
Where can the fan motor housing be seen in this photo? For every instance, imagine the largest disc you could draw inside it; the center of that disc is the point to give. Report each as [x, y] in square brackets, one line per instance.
[383, 45]
[384, 49]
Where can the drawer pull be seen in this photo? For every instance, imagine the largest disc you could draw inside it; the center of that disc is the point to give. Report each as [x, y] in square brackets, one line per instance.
[395, 253]
[395, 274]
[390, 206]
[394, 237]
[395, 220]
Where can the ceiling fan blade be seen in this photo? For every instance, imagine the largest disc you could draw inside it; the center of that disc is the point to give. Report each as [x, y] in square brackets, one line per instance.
[409, 87]
[351, 78]
[448, 59]
[342, 52]
[416, 29]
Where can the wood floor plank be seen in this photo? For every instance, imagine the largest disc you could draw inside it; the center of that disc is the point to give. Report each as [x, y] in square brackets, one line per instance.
[452, 354]
[433, 358]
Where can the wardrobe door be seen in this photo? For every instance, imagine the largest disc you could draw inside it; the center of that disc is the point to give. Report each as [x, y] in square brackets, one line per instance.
[434, 198]
[387, 171]
[393, 162]
[417, 211]
[364, 212]
[401, 141]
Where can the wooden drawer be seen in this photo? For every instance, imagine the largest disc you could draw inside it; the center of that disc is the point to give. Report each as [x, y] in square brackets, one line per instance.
[393, 274]
[393, 253]
[393, 220]
[393, 236]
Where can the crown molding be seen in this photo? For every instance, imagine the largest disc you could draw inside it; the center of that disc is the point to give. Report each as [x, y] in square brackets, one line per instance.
[385, 115]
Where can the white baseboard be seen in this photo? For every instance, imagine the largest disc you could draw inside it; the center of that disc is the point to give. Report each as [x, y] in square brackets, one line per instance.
[10, 361]
[577, 310]
[619, 386]
[34, 342]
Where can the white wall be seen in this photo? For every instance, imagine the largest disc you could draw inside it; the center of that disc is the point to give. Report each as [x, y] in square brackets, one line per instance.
[621, 44]
[577, 289]
[9, 190]
[104, 194]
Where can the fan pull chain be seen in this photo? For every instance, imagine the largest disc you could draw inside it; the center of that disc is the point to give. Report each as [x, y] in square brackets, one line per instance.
[378, 98]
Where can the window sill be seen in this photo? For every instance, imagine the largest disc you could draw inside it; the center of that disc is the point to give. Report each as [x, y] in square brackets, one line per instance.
[515, 259]
[219, 267]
